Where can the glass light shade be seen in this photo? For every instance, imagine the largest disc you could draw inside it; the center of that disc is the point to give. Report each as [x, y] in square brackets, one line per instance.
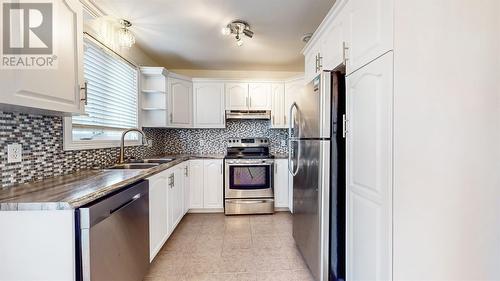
[125, 38]
[226, 30]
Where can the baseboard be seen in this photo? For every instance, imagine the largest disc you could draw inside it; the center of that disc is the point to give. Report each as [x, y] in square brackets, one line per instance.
[281, 209]
[199, 211]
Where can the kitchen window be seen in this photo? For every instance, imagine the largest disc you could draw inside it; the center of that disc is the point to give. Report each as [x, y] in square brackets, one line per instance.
[112, 101]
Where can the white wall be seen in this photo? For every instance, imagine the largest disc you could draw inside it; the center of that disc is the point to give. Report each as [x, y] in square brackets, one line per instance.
[236, 74]
[447, 139]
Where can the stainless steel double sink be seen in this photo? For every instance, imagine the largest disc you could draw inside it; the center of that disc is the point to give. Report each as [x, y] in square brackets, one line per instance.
[142, 164]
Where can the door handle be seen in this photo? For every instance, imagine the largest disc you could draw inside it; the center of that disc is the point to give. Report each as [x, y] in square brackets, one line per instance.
[344, 52]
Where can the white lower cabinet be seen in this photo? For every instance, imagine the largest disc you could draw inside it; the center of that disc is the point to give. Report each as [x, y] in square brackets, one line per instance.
[281, 186]
[158, 212]
[175, 197]
[206, 184]
[196, 184]
[212, 184]
[186, 187]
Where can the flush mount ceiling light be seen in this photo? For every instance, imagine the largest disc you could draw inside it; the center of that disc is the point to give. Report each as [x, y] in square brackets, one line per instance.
[238, 28]
[125, 37]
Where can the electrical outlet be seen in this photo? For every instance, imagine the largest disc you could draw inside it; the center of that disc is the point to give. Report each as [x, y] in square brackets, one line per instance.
[150, 143]
[283, 142]
[14, 153]
[201, 142]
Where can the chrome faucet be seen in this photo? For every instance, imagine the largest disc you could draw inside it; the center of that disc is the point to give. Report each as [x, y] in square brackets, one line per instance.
[122, 142]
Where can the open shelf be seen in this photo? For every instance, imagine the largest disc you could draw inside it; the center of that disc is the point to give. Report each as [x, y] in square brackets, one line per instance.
[148, 91]
[153, 108]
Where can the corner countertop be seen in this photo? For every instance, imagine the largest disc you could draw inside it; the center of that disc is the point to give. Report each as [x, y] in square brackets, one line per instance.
[78, 189]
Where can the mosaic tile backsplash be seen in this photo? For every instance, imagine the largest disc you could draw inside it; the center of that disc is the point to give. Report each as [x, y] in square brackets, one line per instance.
[43, 156]
[215, 140]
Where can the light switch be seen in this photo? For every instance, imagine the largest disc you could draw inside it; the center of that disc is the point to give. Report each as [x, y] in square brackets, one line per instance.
[14, 153]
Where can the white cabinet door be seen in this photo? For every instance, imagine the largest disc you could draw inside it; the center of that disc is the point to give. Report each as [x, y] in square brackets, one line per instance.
[175, 196]
[237, 96]
[180, 103]
[212, 188]
[158, 212]
[209, 108]
[196, 179]
[292, 90]
[311, 63]
[333, 40]
[56, 89]
[259, 96]
[187, 191]
[281, 183]
[369, 171]
[370, 31]
[278, 106]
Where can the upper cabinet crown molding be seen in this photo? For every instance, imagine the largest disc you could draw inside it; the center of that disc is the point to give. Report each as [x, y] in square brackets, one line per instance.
[152, 71]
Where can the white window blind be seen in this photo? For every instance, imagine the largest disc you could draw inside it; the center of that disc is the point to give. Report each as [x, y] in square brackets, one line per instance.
[112, 91]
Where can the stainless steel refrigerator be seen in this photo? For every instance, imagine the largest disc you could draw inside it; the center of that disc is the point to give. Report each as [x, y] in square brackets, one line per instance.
[317, 164]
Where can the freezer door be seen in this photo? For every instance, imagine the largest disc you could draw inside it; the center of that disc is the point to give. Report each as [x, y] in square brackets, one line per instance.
[311, 205]
[311, 117]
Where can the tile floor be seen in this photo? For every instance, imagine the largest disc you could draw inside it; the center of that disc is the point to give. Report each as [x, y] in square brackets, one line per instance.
[214, 247]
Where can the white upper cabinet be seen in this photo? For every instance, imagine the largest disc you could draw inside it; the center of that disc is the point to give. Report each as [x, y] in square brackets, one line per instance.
[55, 90]
[278, 106]
[259, 96]
[370, 31]
[237, 96]
[369, 171]
[334, 43]
[209, 106]
[312, 62]
[213, 187]
[180, 103]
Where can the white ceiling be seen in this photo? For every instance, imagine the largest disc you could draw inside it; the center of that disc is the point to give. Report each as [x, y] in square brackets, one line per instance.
[186, 34]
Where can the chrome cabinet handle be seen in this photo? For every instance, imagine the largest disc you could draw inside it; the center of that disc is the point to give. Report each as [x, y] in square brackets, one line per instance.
[85, 91]
[186, 171]
[320, 58]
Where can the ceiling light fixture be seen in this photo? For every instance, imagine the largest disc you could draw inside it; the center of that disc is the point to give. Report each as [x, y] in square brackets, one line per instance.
[238, 28]
[125, 36]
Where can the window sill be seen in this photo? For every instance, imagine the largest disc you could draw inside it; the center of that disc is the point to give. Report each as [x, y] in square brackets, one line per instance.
[87, 145]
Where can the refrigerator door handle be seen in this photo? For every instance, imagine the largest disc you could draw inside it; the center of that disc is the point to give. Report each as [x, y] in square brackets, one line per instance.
[290, 122]
[290, 162]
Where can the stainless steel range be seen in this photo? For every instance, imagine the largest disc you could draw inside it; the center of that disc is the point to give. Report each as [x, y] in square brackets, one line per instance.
[248, 187]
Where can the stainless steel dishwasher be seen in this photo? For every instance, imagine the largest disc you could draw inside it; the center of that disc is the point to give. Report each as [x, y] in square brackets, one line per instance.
[113, 236]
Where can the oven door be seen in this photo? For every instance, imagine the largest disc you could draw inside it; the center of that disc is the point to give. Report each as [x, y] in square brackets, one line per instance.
[249, 179]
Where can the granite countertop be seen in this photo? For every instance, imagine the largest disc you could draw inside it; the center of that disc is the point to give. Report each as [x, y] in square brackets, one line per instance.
[75, 190]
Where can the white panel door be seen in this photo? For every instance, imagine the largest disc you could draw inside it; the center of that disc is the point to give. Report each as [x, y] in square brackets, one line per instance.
[259, 95]
[196, 177]
[281, 183]
[213, 188]
[237, 96]
[370, 31]
[58, 88]
[369, 171]
[180, 103]
[175, 196]
[158, 212]
[209, 108]
[278, 106]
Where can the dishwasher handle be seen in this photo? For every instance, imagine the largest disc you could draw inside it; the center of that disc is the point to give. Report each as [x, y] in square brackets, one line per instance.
[124, 205]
